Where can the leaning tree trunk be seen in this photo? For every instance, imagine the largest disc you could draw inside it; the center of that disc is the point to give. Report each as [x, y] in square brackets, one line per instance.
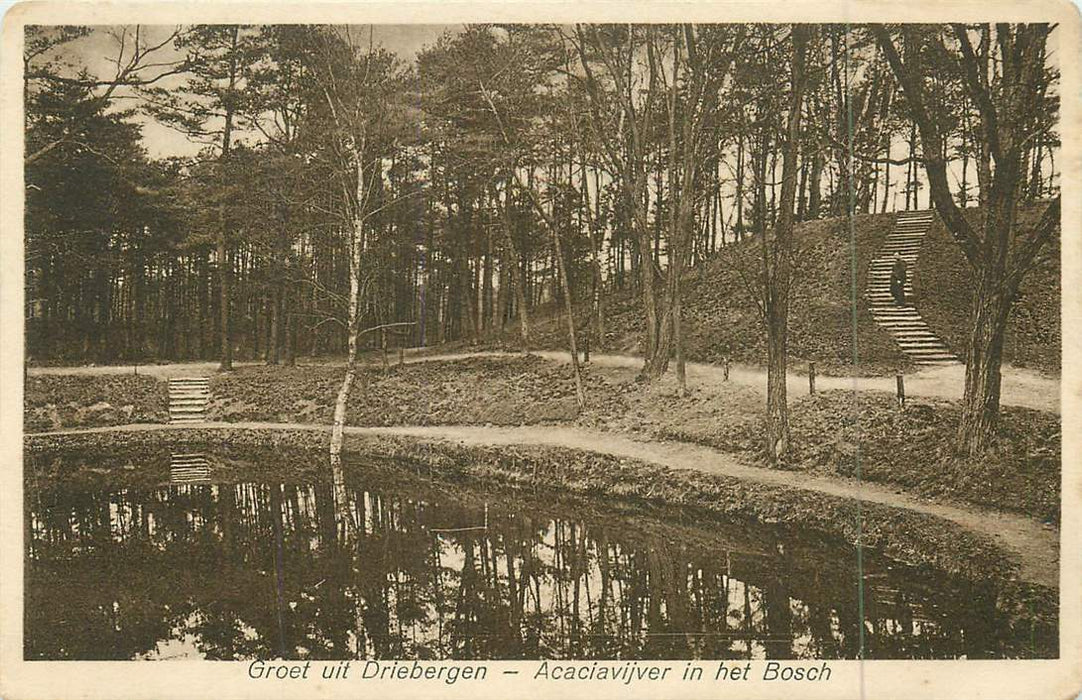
[565, 287]
[580, 394]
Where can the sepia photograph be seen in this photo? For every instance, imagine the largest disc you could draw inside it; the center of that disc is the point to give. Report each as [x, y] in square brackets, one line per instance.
[392, 351]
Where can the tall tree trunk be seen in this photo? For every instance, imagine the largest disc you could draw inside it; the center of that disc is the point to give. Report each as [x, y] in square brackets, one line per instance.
[886, 172]
[681, 201]
[485, 298]
[980, 402]
[516, 270]
[740, 188]
[225, 270]
[225, 274]
[776, 302]
[815, 196]
[273, 330]
[289, 350]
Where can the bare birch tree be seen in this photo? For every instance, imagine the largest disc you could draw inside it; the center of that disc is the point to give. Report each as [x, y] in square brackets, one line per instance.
[358, 86]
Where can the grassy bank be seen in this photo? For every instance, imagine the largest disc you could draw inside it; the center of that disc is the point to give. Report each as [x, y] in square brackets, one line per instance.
[835, 433]
[474, 391]
[54, 402]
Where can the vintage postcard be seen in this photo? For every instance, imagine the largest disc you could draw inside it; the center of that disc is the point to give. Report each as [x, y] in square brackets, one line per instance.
[584, 350]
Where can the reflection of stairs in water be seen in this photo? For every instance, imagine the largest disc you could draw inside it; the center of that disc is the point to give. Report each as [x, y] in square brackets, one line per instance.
[904, 323]
[189, 469]
[188, 398]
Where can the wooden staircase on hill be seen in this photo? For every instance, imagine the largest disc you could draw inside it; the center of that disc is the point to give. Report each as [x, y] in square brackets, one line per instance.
[188, 398]
[904, 323]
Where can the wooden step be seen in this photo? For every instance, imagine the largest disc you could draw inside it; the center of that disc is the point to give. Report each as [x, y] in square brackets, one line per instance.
[188, 398]
[929, 354]
[887, 263]
[904, 336]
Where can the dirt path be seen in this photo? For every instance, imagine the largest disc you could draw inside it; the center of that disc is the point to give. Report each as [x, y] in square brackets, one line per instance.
[1020, 387]
[1035, 548]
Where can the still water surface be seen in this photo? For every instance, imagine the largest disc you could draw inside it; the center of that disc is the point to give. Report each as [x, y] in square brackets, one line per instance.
[248, 557]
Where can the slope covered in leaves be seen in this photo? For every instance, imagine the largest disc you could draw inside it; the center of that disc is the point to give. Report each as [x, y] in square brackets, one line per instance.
[56, 402]
[721, 317]
[474, 391]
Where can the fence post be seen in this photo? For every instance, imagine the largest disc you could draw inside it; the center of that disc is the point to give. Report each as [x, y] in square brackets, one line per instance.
[901, 389]
[726, 368]
[586, 347]
[811, 377]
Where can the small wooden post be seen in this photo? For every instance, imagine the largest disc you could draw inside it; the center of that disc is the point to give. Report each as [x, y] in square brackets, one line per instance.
[901, 390]
[586, 347]
[726, 366]
[811, 377]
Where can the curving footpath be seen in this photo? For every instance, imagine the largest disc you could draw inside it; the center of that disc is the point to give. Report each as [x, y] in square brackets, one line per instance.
[1035, 548]
[1020, 387]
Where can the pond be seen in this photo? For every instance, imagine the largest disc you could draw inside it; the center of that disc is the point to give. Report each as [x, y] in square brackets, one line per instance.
[159, 556]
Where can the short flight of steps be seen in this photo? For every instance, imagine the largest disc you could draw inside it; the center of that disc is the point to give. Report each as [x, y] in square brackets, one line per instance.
[189, 469]
[904, 323]
[188, 398]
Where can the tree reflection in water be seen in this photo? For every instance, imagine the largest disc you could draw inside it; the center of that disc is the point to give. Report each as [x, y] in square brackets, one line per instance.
[119, 570]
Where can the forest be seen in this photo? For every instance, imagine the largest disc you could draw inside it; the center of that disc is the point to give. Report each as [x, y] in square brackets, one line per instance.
[345, 197]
